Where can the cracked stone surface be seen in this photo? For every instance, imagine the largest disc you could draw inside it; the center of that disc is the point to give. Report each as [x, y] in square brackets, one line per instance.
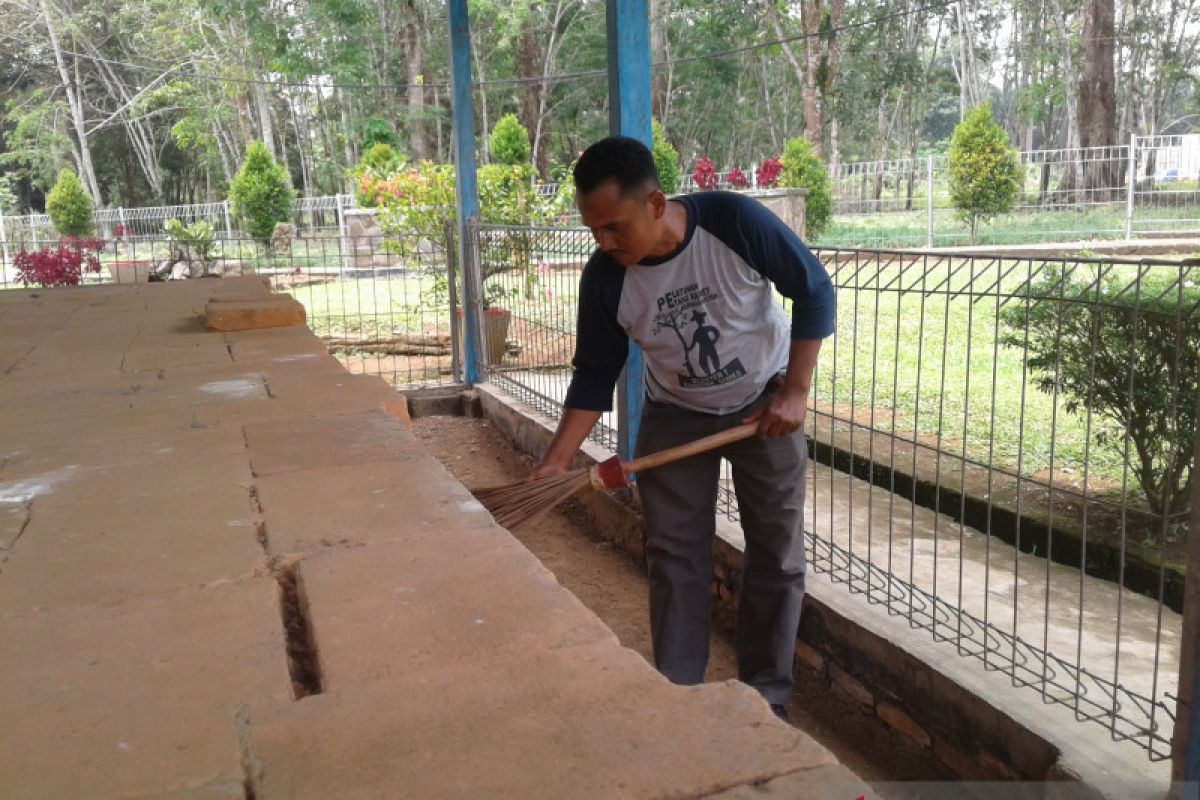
[196, 528]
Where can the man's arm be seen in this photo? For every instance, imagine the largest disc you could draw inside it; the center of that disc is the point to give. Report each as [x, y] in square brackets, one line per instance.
[573, 428]
[785, 413]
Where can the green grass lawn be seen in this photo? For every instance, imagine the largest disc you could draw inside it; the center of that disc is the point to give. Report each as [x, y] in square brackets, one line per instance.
[907, 229]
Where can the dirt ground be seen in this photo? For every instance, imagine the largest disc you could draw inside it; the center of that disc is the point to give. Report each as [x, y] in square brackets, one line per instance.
[613, 586]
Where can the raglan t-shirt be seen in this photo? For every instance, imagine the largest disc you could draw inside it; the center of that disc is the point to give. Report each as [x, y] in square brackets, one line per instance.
[705, 316]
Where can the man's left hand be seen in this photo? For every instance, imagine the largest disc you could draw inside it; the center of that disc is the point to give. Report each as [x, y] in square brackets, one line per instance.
[783, 414]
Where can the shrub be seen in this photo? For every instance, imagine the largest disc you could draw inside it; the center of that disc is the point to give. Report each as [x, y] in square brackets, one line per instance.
[69, 206]
[509, 142]
[62, 265]
[705, 174]
[737, 179]
[377, 131]
[767, 174]
[1130, 355]
[261, 193]
[198, 237]
[800, 168]
[985, 174]
[378, 162]
[666, 159]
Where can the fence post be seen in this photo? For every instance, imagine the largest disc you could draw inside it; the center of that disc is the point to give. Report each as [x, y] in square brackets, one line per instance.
[1131, 182]
[343, 248]
[1185, 750]
[929, 202]
[452, 291]
[228, 225]
[3, 251]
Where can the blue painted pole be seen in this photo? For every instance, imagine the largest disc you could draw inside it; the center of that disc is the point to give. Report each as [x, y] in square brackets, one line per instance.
[629, 115]
[464, 184]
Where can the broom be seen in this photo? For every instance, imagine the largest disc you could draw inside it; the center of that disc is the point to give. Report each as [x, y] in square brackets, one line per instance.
[521, 503]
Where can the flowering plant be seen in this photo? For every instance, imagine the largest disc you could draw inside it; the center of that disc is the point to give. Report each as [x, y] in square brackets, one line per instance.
[62, 265]
[767, 174]
[737, 179]
[705, 174]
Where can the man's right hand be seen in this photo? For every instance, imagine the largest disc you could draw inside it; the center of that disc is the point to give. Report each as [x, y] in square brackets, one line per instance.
[573, 428]
[545, 469]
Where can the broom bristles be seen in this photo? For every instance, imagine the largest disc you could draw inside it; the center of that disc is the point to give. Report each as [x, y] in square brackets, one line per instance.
[518, 504]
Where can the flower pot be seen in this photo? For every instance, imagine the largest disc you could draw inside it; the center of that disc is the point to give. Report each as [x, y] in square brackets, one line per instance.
[495, 334]
[129, 271]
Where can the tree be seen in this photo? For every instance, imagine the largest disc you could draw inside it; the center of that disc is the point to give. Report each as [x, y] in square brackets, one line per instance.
[666, 159]
[69, 206]
[985, 174]
[1127, 351]
[802, 169]
[509, 142]
[261, 193]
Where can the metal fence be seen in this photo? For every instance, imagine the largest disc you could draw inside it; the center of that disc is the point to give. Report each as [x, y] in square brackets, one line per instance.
[383, 304]
[969, 477]
[1001, 444]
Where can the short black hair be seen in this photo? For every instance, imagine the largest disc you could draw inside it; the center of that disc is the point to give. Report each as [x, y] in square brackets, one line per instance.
[619, 158]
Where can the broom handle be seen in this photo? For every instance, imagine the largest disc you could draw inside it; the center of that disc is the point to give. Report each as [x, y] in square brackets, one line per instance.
[691, 448]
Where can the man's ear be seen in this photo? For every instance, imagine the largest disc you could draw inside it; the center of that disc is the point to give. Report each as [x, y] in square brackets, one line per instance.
[658, 202]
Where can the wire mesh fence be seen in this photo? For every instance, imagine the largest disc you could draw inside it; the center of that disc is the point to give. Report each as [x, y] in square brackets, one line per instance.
[1002, 453]
[1012, 441]
[383, 304]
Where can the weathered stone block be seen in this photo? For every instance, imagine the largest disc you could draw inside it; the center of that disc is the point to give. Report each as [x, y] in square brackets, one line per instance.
[273, 312]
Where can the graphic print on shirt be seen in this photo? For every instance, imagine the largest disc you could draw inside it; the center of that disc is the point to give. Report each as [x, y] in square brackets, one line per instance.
[682, 311]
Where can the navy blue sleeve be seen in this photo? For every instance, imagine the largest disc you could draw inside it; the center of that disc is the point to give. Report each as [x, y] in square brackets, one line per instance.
[601, 345]
[773, 250]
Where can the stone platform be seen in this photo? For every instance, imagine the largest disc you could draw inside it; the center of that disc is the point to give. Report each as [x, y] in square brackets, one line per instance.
[227, 569]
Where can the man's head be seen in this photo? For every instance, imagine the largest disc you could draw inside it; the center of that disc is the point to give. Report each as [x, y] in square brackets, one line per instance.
[619, 198]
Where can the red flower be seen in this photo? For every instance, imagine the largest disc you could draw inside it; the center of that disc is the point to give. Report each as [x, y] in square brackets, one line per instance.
[768, 173]
[705, 174]
[59, 266]
[737, 179]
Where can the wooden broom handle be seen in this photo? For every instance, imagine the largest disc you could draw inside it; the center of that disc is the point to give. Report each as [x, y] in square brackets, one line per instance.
[730, 436]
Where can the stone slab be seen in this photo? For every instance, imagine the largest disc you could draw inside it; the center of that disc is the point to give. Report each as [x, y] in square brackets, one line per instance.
[434, 600]
[137, 699]
[13, 517]
[307, 511]
[589, 721]
[165, 357]
[104, 535]
[268, 312]
[364, 437]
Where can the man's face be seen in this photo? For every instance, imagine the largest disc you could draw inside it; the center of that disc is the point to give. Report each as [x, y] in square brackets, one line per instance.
[627, 228]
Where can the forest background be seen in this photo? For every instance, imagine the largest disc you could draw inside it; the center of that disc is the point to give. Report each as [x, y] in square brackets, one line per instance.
[156, 101]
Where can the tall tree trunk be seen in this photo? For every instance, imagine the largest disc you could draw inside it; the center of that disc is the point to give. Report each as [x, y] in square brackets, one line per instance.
[1097, 94]
[810, 16]
[414, 76]
[660, 77]
[266, 127]
[1072, 181]
[75, 103]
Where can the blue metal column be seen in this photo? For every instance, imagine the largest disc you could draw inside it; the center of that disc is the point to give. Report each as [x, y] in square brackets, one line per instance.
[464, 184]
[629, 115]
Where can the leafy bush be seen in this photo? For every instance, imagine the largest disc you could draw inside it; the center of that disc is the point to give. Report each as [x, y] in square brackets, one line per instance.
[737, 179]
[69, 206]
[261, 193]
[666, 159]
[198, 237]
[705, 174]
[985, 173]
[767, 174]
[377, 131]
[62, 265]
[800, 168]
[378, 162]
[1129, 354]
[509, 142]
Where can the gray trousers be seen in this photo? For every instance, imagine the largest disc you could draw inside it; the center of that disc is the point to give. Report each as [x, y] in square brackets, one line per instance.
[679, 506]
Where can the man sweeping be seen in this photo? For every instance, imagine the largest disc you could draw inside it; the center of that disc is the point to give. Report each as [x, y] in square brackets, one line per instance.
[691, 280]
